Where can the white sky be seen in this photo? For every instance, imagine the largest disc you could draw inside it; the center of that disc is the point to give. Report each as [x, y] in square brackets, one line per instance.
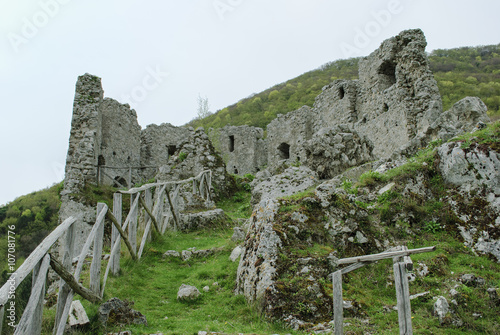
[222, 49]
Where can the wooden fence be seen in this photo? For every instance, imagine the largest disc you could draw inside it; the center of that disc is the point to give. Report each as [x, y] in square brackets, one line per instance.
[401, 263]
[161, 212]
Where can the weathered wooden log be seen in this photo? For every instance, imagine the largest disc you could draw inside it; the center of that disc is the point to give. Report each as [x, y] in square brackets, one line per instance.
[172, 209]
[72, 282]
[152, 217]
[112, 218]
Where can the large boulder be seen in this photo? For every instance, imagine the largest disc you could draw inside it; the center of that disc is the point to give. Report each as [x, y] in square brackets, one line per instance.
[119, 312]
[463, 117]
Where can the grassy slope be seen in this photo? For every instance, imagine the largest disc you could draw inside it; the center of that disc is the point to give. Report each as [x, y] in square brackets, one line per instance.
[152, 285]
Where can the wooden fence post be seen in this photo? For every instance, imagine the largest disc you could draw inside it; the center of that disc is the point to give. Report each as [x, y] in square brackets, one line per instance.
[403, 298]
[95, 267]
[39, 273]
[64, 289]
[117, 212]
[31, 321]
[338, 303]
[148, 199]
[132, 227]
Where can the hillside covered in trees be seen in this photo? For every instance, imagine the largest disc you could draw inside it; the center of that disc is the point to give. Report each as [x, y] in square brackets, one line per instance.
[460, 72]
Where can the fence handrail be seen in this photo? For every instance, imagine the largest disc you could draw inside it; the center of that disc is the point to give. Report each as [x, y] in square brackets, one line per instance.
[33, 259]
[144, 187]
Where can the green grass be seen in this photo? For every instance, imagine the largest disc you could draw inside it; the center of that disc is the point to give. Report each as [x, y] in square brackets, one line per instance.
[152, 285]
[237, 206]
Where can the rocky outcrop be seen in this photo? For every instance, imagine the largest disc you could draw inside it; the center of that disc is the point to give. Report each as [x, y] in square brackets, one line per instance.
[463, 117]
[215, 218]
[461, 178]
[291, 181]
[333, 150]
[474, 170]
[257, 269]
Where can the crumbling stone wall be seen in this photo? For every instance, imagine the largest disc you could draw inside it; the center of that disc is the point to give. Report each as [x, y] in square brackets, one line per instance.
[287, 134]
[158, 143]
[83, 152]
[243, 149]
[120, 145]
[194, 155]
[395, 98]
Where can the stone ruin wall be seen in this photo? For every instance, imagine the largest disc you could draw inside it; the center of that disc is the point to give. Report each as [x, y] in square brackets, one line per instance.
[158, 143]
[84, 150]
[119, 158]
[395, 98]
[107, 146]
[244, 149]
[287, 134]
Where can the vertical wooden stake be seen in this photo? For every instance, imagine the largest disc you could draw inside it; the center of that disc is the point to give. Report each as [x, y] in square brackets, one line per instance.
[403, 298]
[132, 227]
[148, 199]
[36, 327]
[117, 212]
[64, 289]
[338, 303]
[95, 266]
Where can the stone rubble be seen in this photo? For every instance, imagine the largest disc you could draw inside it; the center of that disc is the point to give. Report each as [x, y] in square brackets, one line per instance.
[187, 293]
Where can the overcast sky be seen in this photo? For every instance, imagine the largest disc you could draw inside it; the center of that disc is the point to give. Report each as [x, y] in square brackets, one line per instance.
[159, 55]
